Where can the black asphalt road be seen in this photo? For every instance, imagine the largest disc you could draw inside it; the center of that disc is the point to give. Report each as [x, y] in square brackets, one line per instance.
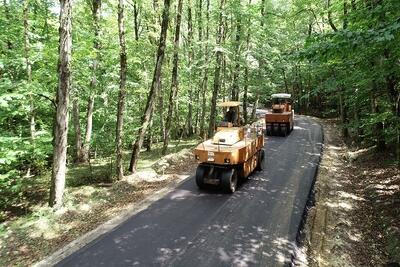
[256, 226]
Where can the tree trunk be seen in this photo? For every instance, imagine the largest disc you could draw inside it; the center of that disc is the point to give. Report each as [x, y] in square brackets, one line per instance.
[78, 139]
[235, 85]
[61, 125]
[32, 124]
[343, 115]
[154, 88]
[8, 19]
[190, 60]
[330, 17]
[254, 111]
[122, 90]
[217, 71]
[135, 20]
[200, 68]
[245, 99]
[174, 79]
[380, 141]
[205, 77]
[89, 126]
[246, 73]
[149, 135]
[96, 13]
[161, 108]
[285, 81]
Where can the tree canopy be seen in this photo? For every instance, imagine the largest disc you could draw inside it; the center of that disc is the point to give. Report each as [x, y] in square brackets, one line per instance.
[338, 58]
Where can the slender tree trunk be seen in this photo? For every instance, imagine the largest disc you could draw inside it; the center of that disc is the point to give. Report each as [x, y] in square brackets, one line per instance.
[122, 90]
[246, 73]
[32, 124]
[205, 78]
[161, 108]
[285, 81]
[254, 111]
[199, 67]
[174, 79]
[343, 114]
[149, 135]
[154, 88]
[330, 17]
[235, 85]
[89, 126]
[135, 20]
[245, 91]
[8, 19]
[78, 139]
[380, 141]
[61, 125]
[190, 60]
[96, 13]
[217, 71]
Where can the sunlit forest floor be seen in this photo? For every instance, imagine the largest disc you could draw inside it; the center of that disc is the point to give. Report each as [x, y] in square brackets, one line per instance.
[355, 218]
[34, 231]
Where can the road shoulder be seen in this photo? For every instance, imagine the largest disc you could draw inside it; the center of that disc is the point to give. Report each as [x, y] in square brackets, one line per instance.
[346, 226]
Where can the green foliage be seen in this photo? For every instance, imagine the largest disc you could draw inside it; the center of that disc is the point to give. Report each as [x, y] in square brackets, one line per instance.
[291, 48]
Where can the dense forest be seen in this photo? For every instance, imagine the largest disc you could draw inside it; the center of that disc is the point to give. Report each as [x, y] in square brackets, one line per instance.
[99, 78]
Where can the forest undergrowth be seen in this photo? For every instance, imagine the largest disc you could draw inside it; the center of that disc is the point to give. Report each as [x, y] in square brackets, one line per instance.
[91, 199]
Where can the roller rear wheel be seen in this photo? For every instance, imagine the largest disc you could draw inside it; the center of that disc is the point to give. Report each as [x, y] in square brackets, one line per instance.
[201, 172]
[229, 179]
[260, 160]
[284, 131]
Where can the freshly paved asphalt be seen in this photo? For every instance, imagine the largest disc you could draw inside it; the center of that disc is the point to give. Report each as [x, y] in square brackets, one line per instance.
[256, 226]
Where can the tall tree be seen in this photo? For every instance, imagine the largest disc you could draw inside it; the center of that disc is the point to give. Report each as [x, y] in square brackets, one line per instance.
[96, 13]
[174, 79]
[154, 88]
[217, 70]
[236, 70]
[28, 66]
[122, 89]
[189, 121]
[61, 120]
[204, 84]
[246, 71]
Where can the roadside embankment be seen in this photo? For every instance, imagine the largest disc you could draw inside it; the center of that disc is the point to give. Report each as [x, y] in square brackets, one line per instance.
[354, 221]
[88, 211]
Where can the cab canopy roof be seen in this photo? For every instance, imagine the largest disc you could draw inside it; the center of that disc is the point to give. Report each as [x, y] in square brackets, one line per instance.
[281, 95]
[229, 104]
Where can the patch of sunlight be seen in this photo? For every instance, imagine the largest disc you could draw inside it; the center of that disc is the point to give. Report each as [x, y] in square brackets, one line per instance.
[61, 211]
[354, 237]
[84, 207]
[43, 228]
[385, 187]
[335, 147]
[352, 196]
[182, 194]
[388, 180]
[223, 256]
[343, 205]
[298, 128]
[280, 257]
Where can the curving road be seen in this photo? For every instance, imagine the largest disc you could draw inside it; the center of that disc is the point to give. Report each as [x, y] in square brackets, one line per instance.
[256, 226]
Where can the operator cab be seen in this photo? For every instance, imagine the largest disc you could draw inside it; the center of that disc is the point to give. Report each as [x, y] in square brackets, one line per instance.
[281, 103]
[231, 114]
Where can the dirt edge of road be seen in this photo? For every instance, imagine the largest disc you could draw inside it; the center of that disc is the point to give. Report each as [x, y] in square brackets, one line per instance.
[344, 223]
